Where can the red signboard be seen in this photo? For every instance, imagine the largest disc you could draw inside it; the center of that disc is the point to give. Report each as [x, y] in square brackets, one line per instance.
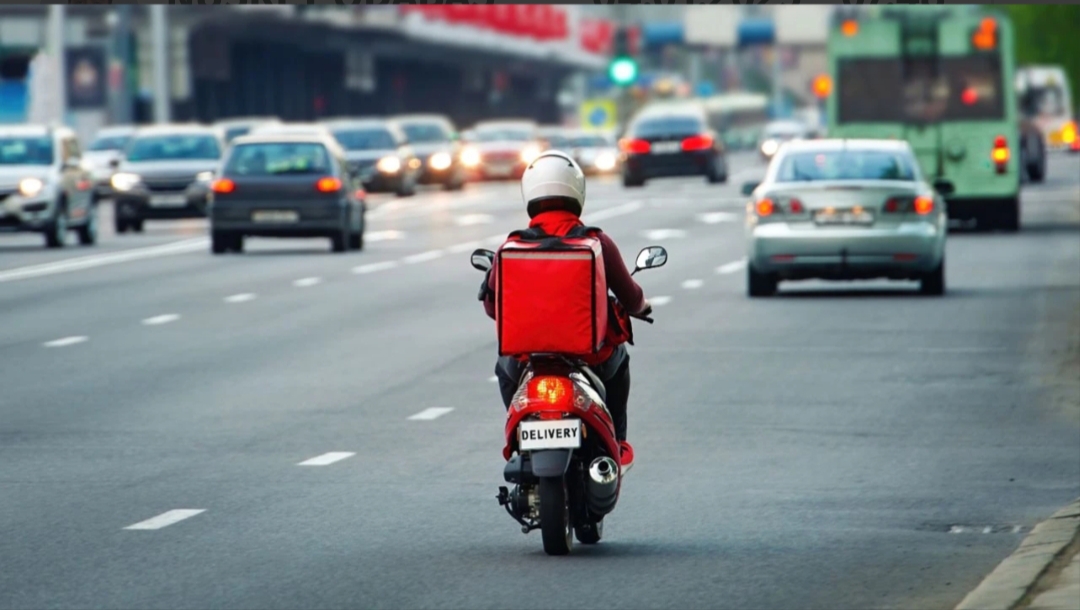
[538, 21]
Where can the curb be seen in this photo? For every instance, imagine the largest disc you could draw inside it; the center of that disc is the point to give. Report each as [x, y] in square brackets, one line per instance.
[1015, 579]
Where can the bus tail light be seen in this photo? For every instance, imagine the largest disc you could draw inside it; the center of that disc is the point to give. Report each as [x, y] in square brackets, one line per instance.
[849, 27]
[1000, 154]
[985, 37]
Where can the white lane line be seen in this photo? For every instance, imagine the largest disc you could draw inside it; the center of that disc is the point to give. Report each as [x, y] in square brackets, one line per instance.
[693, 284]
[620, 210]
[240, 298]
[327, 458]
[65, 341]
[469, 220]
[743, 175]
[304, 282]
[162, 319]
[732, 267]
[423, 257]
[383, 235]
[166, 519]
[659, 301]
[659, 234]
[493, 379]
[496, 240]
[712, 218]
[373, 267]
[431, 413]
[100, 260]
[465, 247]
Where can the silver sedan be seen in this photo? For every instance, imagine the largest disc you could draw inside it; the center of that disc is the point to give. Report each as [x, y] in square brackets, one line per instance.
[844, 210]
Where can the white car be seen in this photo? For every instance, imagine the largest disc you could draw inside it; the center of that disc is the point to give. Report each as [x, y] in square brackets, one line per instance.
[104, 154]
[844, 210]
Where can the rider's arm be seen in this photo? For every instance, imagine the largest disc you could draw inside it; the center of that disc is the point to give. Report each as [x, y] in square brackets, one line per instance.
[618, 278]
[489, 295]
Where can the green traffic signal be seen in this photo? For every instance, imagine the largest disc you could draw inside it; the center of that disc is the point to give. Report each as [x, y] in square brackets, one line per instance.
[623, 71]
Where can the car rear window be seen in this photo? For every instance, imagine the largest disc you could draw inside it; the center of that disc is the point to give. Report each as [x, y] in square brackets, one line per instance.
[425, 133]
[928, 89]
[110, 143]
[557, 141]
[365, 139]
[26, 151]
[173, 148]
[589, 142]
[669, 126]
[503, 135]
[278, 159]
[846, 165]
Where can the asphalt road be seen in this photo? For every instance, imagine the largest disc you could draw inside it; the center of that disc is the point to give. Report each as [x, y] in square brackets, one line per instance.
[839, 446]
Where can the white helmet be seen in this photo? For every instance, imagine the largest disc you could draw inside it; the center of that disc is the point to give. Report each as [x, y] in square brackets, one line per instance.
[553, 175]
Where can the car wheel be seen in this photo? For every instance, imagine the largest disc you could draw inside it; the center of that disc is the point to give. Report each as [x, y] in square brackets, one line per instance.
[120, 225]
[630, 181]
[1037, 170]
[56, 233]
[933, 283]
[407, 188]
[339, 241]
[760, 284]
[88, 232]
[717, 173]
[356, 241]
[219, 242]
[137, 225]
[236, 243]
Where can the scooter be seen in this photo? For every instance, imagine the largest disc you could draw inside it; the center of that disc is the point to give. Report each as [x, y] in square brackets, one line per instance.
[561, 451]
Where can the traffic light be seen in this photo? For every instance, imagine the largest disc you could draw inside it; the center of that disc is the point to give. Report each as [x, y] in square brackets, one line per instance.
[623, 69]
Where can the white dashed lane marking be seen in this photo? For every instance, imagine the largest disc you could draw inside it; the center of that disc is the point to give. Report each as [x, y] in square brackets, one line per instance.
[431, 413]
[327, 458]
[659, 301]
[373, 267]
[423, 257]
[383, 235]
[732, 267]
[469, 220]
[66, 341]
[240, 298]
[304, 282]
[465, 247]
[166, 519]
[693, 284]
[712, 218]
[100, 260]
[660, 234]
[493, 379]
[162, 319]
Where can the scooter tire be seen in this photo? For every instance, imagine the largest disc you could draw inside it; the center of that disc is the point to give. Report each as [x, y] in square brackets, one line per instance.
[555, 525]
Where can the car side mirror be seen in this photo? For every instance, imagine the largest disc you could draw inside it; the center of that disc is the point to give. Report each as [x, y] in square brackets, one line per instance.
[944, 187]
[748, 187]
[650, 258]
[483, 260]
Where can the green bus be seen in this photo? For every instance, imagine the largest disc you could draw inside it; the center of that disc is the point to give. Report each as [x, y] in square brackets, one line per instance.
[940, 77]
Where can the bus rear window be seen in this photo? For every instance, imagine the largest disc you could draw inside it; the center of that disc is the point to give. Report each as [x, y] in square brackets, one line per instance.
[921, 90]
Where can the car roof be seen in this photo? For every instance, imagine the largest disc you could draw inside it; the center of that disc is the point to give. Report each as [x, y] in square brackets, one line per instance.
[831, 144]
[115, 130]
[286, 138]
[422, 118]
[240, 121]
[177, 128]
[26, 130]
[504, 124]
[356, 123]
[281, 128]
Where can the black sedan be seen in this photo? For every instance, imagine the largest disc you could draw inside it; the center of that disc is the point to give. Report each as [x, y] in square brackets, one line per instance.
[435, 143]
[665, 144]
[286, 186]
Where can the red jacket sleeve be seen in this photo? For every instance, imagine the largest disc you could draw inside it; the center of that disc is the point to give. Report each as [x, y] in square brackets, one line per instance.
[619, 281]
[489, 298]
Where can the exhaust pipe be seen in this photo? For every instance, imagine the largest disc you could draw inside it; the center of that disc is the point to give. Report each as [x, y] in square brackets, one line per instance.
[601, 488]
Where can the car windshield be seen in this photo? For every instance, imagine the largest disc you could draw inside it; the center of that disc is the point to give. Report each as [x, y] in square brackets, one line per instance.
[425, 133]
[110, 143]
[503, 135]
[555, 140]
[846, 165]
[278, 159]
[668, 126]
[589, 142]
[783, 131]
[26, 151]
[173, 148]
[365, 139]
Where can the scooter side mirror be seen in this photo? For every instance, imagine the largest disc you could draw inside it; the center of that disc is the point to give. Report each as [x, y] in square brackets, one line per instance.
[650, 258]
[482, 260]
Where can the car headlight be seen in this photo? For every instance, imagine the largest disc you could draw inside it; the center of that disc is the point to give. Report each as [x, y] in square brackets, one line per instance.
[605, 162]
[470, 157]
[769, 147]
[389, 165]
[204, 177]
[29, 187]
[124, 181]
[530, 153]
[439, 161]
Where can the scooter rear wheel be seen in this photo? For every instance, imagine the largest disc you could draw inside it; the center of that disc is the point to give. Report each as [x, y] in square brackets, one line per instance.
[555, 516]
[589, 533]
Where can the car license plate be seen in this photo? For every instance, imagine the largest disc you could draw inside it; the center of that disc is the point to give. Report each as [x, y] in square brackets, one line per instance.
[665, 148]
[843, 217]
[275, 216]
[168, 201]
[549, 434]
[500, 170]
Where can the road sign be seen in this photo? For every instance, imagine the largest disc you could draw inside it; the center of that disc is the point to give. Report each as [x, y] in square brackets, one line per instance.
[598, 114]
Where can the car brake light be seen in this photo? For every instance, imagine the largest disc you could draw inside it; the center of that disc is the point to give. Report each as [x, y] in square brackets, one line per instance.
[223, 186]
[555, 391]
[796, 207]
[923, 205]
[360, 194]
[697, 143]
[892, 206]
[637, 147]
[765, 207]
[328, 185]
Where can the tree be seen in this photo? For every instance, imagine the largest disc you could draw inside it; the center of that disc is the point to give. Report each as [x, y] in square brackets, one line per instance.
[1047, 34]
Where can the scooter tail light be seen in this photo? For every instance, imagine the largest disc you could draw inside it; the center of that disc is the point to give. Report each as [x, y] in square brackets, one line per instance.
[551, 390]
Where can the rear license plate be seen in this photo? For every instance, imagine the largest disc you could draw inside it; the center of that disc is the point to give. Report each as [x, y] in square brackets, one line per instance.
[500, 170]
[168, 201]
[549, 434]
[665, 148]
[275, 216]
[843, 217]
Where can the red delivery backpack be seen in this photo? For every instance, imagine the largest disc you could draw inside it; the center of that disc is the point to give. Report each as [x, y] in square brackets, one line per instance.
[551, 294]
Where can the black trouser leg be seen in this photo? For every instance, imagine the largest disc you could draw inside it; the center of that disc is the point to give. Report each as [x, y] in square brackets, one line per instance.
[508, 372]
[618, 394]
